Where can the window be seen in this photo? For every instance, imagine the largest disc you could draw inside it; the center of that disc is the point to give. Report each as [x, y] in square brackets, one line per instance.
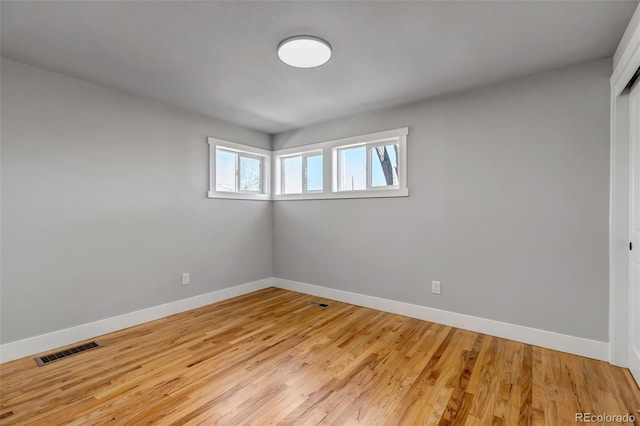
[292, 175]
[358, 167]
[250, 173]
[301, 173]
[352, 166]
[238, 171]
[314, 173]
[226, 165]
[384, 165]
[368, 167]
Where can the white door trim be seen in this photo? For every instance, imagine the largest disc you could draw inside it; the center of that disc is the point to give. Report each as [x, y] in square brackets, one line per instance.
[629, 62]
[634, 233]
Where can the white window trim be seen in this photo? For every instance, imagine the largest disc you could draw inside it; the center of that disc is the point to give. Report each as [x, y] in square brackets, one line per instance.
[245, 150]
[330, 167]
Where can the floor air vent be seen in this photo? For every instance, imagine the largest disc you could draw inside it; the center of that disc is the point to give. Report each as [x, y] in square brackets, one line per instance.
[320, 305]
[48, 359]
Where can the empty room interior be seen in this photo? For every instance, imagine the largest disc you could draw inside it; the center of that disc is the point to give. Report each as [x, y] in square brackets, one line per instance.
[320, 212]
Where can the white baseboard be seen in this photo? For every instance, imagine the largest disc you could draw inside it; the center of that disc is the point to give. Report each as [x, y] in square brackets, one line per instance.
[56, 339]
[533, 336]
[546, 339]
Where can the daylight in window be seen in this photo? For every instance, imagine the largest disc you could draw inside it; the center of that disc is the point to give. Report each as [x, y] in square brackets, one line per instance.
[301, 173]
[292, 175]
[250, 174]
[314, 173]
[238, 171]
[384, 165]
[226, 163]
[365, 166]
[352, 166]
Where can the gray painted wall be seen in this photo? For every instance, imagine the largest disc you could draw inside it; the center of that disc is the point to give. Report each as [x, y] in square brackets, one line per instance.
[104, 205]
[508, 207]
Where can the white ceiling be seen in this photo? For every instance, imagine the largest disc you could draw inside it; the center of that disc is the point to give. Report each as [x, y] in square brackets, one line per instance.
[219, 58]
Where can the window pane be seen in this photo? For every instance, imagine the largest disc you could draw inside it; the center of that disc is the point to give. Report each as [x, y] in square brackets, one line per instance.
[225, 170]
[353, 169]
[292, 175]
[384, 165]
[250, 174]
[314, 173]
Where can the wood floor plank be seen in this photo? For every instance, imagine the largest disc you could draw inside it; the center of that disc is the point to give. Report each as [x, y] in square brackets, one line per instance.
[270, 358]
[525, 408]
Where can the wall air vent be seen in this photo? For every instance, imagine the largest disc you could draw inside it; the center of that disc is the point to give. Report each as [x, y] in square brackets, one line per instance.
[48, 359]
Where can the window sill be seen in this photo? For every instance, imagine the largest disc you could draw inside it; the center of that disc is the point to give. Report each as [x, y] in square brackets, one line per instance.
[380, 193]
[238, 196]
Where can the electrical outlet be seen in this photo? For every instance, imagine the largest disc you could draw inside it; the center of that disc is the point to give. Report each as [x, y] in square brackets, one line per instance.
[435, 287]
[186, 279]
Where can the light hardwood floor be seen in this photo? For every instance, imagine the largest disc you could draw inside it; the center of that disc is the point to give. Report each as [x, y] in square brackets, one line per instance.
[271, 358]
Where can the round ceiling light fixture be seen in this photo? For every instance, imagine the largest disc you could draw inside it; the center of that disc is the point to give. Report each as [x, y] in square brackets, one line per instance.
[304, 51]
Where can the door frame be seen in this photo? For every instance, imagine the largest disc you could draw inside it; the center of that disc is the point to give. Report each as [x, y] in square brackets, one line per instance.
[626, 63]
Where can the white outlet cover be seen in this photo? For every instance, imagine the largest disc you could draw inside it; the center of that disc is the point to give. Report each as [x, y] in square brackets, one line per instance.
[186, 279]
[435, 287]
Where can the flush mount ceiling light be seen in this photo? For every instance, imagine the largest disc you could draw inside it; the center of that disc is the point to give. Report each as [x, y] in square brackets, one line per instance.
[304, 51]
